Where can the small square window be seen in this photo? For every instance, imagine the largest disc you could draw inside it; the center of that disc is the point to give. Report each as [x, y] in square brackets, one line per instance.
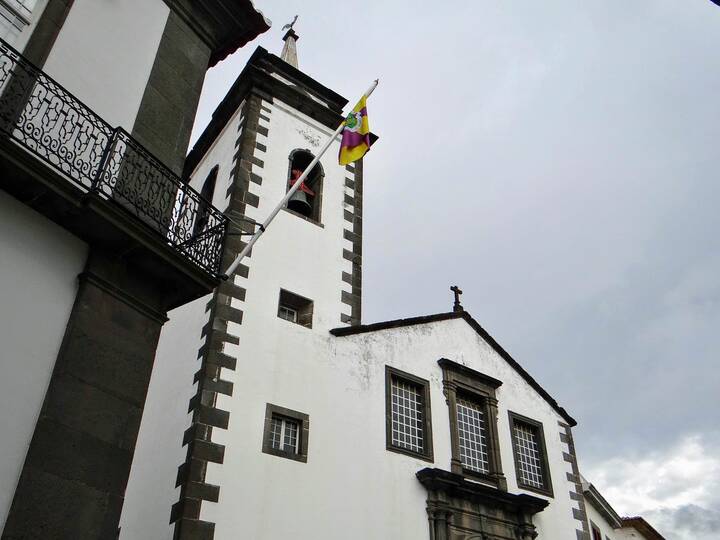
[295, 308]
[408, 426]
[286, 433]
[531, 465]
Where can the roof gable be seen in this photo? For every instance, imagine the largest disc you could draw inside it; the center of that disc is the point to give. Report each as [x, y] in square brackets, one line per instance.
[398, 323]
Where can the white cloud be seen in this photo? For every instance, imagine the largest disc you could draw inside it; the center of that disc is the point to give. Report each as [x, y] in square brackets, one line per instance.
[674, 489]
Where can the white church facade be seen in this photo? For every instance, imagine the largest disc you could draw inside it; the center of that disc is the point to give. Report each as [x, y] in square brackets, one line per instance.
[274, 413]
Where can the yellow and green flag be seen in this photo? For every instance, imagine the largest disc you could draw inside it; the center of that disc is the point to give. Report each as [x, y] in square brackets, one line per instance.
[355, 135]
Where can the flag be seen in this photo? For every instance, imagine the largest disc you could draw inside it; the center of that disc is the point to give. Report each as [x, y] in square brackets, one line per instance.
[355, 135]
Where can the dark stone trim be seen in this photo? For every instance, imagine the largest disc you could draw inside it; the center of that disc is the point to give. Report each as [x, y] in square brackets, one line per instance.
[399, 323]
[124, 296]
[46, 31]
[303, 437]
[574, 478]
[455, 483]
[458, 380]
[256, 79]
[167, 111]
[547, 488]
[223, 25]
[486, 380]
[354, 235]
[206, 417]
[427, 453]
[459, 508]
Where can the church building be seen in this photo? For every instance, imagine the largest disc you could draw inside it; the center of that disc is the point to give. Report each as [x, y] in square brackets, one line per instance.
[273, 412]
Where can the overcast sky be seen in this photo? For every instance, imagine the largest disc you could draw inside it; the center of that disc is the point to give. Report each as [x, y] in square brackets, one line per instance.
[558, 160]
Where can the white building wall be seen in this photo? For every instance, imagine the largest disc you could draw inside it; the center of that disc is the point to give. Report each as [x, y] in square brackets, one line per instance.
[295, 254]
[596, 519]
[128, 33]
[151, 487]
[158, 452]
[16, 30]
[352, 487]
[39, 265]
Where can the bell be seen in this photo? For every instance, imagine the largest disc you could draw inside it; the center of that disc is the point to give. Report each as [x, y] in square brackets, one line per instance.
[299, 203]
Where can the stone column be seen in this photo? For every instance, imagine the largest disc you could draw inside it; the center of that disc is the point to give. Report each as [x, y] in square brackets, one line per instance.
[73, 481]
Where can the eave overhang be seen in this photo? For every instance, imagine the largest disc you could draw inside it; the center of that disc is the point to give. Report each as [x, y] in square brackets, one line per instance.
[223, 25]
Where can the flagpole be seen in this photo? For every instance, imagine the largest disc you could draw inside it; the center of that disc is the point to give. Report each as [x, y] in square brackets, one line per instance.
[231, 269]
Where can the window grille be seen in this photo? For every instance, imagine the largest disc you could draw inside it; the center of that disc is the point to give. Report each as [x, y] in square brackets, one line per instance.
[529, 458]
[407, 415]
[472, 435]
[284, 434]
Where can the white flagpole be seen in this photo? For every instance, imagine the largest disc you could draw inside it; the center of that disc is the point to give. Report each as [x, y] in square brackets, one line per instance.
[231, 269]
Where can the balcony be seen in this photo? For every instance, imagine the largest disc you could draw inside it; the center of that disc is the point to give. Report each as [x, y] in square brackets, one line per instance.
[60, 157]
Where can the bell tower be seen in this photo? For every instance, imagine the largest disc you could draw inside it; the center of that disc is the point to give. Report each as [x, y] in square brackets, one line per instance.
[301, 279]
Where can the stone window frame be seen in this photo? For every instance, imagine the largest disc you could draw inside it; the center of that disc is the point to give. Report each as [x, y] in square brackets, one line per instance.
[303, 421]
[304, 307]
[427, 453]
[480, 388]
[547, 490]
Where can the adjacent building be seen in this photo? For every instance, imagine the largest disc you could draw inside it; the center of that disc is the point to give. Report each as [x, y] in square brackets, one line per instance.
[99, 237]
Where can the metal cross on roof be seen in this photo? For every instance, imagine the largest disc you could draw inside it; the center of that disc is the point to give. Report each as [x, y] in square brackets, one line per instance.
[456, 306]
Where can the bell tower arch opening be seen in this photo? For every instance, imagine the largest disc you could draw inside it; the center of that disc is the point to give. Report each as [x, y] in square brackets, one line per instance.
[307, 200]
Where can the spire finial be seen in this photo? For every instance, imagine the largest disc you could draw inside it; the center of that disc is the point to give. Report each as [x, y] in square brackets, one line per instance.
[289, 52]
[456, 305]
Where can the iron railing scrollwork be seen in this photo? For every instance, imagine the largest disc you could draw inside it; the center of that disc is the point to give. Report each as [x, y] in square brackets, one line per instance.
[40, 115]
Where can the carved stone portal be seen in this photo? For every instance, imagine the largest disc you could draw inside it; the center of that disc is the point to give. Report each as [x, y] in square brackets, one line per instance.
[459, 509]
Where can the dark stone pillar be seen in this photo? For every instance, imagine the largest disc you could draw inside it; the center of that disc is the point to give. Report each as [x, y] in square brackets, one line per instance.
[75, 473]
[167, 110]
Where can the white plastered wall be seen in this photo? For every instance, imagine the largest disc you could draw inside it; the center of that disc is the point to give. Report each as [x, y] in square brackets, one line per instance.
[39, 265]
[351, 487]
[596, 519]
[127, 33]
[151, 488]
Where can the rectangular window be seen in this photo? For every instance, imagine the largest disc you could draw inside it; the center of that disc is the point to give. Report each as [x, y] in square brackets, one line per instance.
[472, 410]
[531, 466]
[295, 308]
[408, 414]
[286, 433]
[596, 533]
[287, 313]
[472, 436]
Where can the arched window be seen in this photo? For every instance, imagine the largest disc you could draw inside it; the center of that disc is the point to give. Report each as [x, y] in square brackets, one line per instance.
[206, 197]
[307, 200]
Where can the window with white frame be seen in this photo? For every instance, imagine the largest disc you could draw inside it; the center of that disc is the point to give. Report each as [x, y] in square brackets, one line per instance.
[286, 433]
[287, 313]
[472, 436]
[408, 414]
[531, 465]
[295, 308]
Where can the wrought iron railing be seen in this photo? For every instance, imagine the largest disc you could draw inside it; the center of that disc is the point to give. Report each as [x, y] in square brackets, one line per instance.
[43, 117]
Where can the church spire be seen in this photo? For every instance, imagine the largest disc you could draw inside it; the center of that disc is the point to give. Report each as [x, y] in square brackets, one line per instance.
[289, 52]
